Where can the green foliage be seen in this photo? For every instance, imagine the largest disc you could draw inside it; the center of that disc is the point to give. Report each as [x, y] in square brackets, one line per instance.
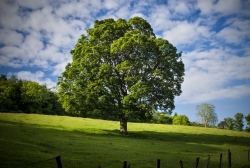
[206, 114]
[248, 123]
[26, 96]
[121, 69]
[248, 119]
[162, 118]
[9, 93]
[222, 125]
[238, 119]
[181, 120]
[229, 123]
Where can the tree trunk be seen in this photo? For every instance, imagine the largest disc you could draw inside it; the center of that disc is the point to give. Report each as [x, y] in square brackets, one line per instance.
[123, 126]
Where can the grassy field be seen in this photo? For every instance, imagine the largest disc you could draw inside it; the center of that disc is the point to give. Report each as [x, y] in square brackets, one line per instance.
[87, 143]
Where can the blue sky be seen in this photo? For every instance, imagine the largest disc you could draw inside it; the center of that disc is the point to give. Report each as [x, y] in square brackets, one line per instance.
[214, 36]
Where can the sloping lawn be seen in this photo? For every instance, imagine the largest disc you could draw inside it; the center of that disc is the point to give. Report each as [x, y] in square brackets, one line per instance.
[81, 142]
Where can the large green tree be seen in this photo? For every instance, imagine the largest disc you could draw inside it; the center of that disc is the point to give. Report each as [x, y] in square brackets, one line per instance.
[206, 114]
[121, 69]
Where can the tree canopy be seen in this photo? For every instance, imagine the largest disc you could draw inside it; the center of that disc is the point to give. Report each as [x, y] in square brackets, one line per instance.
[121, 69]
[206, 114]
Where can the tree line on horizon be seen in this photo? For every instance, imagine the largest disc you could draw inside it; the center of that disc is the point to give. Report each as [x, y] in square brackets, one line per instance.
[236, 123]
[17, 95]
[206, 114]
[25, 96]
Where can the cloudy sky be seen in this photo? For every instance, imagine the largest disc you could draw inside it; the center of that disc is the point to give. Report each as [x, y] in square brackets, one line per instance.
[214, 36]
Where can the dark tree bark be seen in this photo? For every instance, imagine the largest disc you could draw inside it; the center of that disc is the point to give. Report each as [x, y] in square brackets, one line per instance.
[123, 126]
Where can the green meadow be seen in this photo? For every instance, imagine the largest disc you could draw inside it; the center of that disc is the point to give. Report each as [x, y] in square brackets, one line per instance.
[87, 143]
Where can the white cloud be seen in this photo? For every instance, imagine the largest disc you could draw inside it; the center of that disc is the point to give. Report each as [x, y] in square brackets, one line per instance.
[59, 68]
[227, 6]
[48, 38]
[236, 32]
[222, 6]
[38, 76]
[205, 6]
[180, 7]
[218, 94]
[160, 18]
[80, 9]
[7, 12]
[9, 56]
[138, 14]
[10, 37]
[112, 4]
[124, 11]
[32, 4]
[184, 32]
[209, 73]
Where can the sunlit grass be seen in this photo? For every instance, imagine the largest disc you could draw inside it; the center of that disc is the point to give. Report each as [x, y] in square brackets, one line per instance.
[84, 142]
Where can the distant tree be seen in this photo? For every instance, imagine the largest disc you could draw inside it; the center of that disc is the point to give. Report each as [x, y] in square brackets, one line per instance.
[38, 98]
[34, 98]
[10, 95]
[206, 114]
[222, 125]
[196, 124]
[181, 120]
[248, 119]
[248, 122]
[27, 96]
[229, 123]
[121, 69]
[238, 119]
[175, 114]
[162, 118]
[3, 77]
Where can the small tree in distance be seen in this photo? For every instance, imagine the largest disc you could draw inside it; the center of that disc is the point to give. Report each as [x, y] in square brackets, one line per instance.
[162, 118]
[238, 118]
[248, 122]
[206, 114]
[222, 125]
[181, 120]
[229, 123]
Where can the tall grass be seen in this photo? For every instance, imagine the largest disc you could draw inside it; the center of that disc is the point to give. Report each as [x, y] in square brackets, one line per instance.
[84, 142]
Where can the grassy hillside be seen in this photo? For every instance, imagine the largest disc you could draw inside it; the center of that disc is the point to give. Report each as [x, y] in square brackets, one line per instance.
[81, 142]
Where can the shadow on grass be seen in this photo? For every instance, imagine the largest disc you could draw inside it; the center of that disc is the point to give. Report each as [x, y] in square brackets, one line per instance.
[183, 137]
[151, 135]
